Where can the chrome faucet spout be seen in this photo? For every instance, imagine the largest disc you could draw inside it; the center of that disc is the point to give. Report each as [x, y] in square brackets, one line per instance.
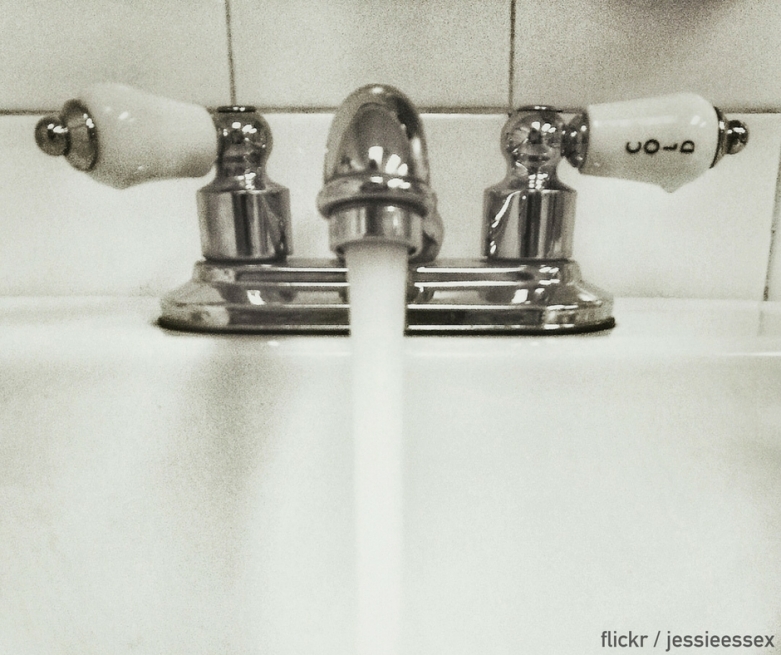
[376, 175]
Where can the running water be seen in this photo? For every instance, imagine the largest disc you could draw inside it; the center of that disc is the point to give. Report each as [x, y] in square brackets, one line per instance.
[377, 274]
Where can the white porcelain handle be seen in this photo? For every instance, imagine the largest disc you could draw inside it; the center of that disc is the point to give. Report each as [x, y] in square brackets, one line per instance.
[122, 136]
[669, 140]
[144, 137]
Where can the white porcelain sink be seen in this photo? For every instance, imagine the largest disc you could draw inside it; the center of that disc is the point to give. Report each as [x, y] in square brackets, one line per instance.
[164, 493]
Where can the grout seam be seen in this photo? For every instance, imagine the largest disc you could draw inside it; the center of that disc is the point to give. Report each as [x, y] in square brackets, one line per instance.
[455, 111]
[28, 112]
[231, 66]
[328, 109]
[511, 74]
[772, 250]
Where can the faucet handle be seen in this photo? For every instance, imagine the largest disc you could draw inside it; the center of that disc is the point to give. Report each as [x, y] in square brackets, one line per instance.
[124, 136]
[669, 140]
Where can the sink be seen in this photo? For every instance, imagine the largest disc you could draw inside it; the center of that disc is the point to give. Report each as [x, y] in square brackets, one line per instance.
[177, 493]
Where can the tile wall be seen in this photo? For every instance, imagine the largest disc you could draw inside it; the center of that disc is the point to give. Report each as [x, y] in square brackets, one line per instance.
[463, 63]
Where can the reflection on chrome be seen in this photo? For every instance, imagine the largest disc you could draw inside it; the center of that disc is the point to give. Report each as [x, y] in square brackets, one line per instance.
[255, 298]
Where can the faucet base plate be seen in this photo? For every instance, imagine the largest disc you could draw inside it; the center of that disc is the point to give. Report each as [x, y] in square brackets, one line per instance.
[456, 297]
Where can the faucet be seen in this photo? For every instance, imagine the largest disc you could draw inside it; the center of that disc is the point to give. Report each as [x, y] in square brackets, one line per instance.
[377, 187]
[376, 175]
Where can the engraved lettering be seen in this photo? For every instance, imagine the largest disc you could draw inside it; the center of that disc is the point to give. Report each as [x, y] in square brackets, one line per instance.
[651, 147]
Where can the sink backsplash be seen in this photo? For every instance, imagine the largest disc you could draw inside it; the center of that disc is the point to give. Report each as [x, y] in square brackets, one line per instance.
[463, 63]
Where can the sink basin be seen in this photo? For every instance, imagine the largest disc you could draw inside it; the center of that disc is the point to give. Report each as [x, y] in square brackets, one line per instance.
[177, 493]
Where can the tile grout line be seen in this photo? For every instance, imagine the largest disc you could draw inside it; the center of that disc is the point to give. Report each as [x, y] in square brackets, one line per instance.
[28, 112]
[231, 67]
[447, 111]
[328, 109]
[774, 225]
[511, 81]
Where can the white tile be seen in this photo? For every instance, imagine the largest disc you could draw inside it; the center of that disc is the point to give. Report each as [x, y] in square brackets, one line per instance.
[709, 239]
[297, 53]
[465, 158]
[55, 48]
[64, 233]
[297, 162]
[572, 53]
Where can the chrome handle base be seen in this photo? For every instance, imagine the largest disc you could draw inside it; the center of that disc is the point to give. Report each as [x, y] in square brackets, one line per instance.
[244, 216]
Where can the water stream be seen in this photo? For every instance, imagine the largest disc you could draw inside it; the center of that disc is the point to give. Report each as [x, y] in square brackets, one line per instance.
[377, 274]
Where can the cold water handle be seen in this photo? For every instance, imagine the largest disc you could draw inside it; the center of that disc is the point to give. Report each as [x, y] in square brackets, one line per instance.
[669, 140]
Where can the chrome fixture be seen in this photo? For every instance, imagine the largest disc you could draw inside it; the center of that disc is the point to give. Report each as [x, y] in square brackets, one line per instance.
[528, 219]
[244, 216]
[377, 187]
[376, 175]
[70, 134]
